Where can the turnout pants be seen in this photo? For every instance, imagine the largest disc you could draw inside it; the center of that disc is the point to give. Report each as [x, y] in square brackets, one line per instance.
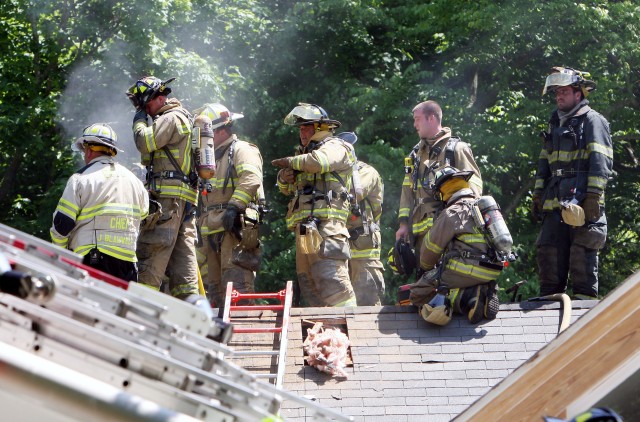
[219, 249]
[565, 252]
[323, 275]
[367, 281]
[169, 247]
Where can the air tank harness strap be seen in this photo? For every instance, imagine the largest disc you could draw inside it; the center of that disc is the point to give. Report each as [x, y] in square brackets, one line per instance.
[177, 174]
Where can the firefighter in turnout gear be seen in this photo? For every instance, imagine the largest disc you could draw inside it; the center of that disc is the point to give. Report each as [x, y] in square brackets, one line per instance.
[574, 167]
[457, 258]
[101, 208]
[167, 242]
[365, 268]
[437, 148]
[319, 179]
[230, 209]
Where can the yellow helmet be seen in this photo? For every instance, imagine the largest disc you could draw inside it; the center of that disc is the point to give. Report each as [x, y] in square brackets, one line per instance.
[304, 114]
[566, 76]
[219, 115]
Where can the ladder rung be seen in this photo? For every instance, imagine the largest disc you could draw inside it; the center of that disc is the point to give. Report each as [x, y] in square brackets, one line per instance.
[265, 375]
[256, 307]
[255, 352]
[278, 295]
[248, 330]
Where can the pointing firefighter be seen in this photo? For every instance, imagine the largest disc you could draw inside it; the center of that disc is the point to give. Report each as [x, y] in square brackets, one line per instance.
[574, 167]
[319, 178]
[101, 208]
[167, 242]
[365, 269]
[231, 208]
[461, 257]
[437, 148]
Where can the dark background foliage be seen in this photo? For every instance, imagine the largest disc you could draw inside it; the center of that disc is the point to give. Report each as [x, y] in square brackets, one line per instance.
[66, 64]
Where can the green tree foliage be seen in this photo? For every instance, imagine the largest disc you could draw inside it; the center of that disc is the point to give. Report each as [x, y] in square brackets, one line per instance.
[65, 64]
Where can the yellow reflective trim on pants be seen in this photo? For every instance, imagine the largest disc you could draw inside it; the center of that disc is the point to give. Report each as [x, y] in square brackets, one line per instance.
[156, 288]
[348, 302]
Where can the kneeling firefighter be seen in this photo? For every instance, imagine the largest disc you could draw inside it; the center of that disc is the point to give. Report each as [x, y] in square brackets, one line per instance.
[462, 257]
[319, 178]
[232, 207]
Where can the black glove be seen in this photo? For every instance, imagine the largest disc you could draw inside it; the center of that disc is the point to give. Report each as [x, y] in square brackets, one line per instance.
[591, 206]
[231, 221]
[536, 208]
[141, 114]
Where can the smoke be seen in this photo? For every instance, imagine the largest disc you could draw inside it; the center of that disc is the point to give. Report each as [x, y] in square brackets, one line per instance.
[95, 93]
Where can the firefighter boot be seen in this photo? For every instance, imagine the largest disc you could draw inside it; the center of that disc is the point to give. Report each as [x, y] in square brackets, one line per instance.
[492, 305]
[471, 302]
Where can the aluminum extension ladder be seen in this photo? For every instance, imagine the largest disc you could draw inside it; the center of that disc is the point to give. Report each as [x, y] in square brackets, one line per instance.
[280, 332]
[85, 349]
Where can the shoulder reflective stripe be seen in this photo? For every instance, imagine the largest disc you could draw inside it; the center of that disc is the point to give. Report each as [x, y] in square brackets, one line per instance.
[323, 160]
[67, 208]
[599, 148]
[248, 167]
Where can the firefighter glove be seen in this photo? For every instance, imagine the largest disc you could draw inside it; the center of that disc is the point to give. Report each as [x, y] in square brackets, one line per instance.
[287, 175]
[282, 162]
[536, 208]
[231, 221]
[141, 114]
[591, 206]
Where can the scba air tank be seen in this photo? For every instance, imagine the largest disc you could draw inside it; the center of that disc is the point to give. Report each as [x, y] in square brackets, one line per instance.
[206, 162]
[495, 225]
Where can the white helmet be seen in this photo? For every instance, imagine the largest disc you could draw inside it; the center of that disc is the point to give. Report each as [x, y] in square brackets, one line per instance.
[219, 115]
[97, 134]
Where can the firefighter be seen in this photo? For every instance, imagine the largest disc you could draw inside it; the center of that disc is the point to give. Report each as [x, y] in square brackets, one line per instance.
[437, 148]
[167, 243]
[230, 211]
[456, 257]
[365, 268]
[574, 167]
[319, 179]
[101, 207]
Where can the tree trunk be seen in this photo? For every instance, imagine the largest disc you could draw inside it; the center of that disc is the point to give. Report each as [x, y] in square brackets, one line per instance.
[7, 185]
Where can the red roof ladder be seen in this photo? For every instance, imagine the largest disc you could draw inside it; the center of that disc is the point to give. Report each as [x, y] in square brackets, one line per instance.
[285, 296]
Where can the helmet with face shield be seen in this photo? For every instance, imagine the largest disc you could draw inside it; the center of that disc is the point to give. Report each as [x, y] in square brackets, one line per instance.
[566, 76]
[305, 114]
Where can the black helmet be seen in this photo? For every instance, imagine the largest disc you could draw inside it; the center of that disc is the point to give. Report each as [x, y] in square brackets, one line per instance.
[566, 76]
[447, 173]
[402, 259]
[146, 89]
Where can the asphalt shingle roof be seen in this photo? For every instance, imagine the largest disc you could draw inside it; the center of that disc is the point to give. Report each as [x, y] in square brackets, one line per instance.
[404, 367]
